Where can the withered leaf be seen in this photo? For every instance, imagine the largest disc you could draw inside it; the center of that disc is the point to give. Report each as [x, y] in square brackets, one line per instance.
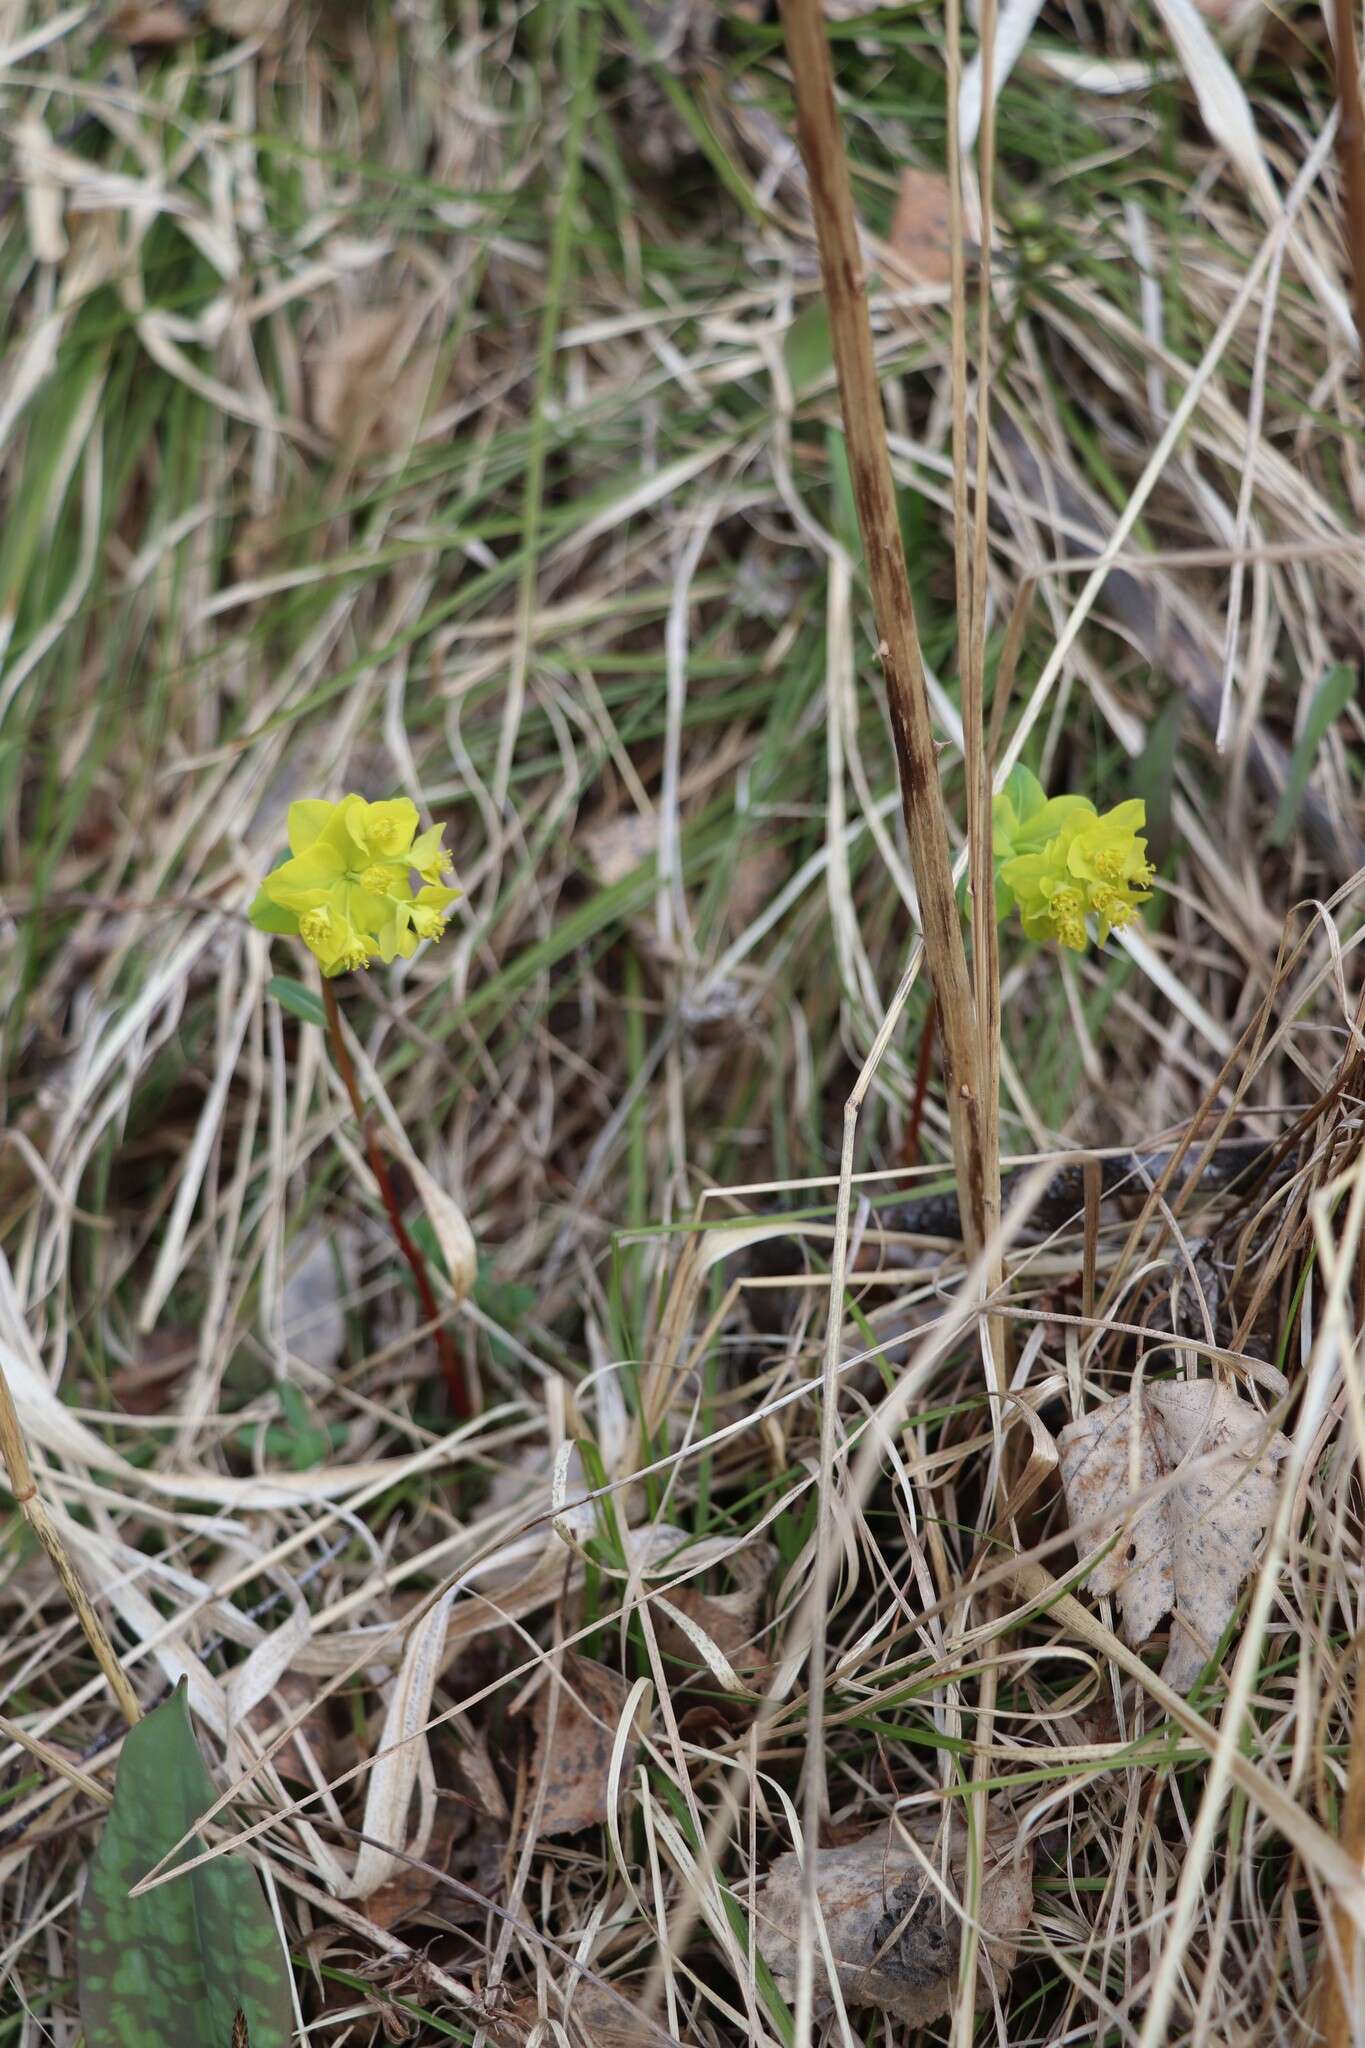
[414, 1884]
[921, 229]
[714, 1634]
[1185, 1552]
[150, 27]
[606, 2018]
[894, 1938]
[372, 382]
[576, 1759]
[617, 846]
[292, 1692]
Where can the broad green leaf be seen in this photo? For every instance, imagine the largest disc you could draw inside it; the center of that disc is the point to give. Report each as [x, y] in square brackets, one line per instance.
[808, 348]
[173, 1968]
[298, 1441]
[1025, 792]
[1333, 694]
[298, 1000]
[1154, 780]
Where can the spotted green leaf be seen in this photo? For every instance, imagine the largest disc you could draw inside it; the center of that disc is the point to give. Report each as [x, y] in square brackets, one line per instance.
[184, 1963]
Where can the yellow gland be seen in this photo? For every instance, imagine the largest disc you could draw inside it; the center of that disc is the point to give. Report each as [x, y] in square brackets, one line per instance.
[316, 928]
[1110, 904]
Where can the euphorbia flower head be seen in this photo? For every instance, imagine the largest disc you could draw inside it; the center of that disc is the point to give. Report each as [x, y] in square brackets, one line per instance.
[347, 888]
[1062, 861]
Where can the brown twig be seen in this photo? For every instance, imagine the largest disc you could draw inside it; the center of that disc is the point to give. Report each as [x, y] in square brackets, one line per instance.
[450, 1364]
[29, 1503]
[1351, 153]
[822, 149]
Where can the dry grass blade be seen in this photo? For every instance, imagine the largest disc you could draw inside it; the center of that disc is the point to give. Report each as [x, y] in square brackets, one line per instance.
[28, 1500]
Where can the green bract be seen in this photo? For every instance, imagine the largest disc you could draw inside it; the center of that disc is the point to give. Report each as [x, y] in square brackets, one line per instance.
[347, 890]
[1063, 862]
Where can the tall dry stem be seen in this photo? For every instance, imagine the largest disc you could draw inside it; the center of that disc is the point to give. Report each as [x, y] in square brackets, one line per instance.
[822, 148]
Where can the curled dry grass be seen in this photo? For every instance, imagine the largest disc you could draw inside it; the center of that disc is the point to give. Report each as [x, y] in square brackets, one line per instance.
[437, 404]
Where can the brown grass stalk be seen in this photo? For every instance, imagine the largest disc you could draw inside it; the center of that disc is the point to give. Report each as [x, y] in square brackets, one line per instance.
[822, 149]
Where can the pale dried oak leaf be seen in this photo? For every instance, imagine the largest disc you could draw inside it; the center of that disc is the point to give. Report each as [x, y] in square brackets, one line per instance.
[1185, 1552]
[893, 1936]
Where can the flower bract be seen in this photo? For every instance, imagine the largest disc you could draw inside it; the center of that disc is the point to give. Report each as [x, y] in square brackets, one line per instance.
[1063, 863]
[347, 887]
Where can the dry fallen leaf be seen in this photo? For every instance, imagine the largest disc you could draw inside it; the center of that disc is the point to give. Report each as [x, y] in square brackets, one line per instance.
[619, 845]
[921, 230]
[893, 1936]
[1186, 1552]
[603, 2017]
[246, 17]
[413, 1885]
[577, 1759]
[313, 1738]
[452, 1231]
[150, 1381]
[372, 382]
[713, 1634]
[146, 27]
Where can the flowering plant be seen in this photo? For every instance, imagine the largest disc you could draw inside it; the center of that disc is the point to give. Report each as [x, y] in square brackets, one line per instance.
[1062, 861]
[346, 889]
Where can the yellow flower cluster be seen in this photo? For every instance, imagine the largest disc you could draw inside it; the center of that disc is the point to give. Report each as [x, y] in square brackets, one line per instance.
[347, 889]
[1062, 861]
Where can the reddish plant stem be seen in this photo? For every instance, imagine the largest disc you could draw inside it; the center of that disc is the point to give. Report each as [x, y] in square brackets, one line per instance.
[1351, 152]
[450, 1364]
[910, 1148]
